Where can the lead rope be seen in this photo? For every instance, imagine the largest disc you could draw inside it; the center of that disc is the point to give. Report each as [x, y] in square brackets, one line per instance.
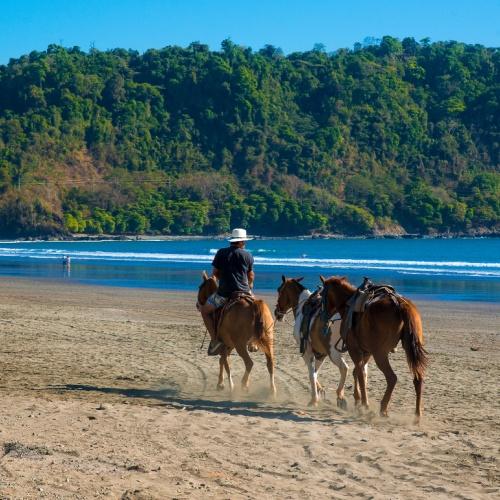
[204, 337]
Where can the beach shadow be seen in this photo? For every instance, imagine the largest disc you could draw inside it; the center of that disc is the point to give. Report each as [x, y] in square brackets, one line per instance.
[170, 398]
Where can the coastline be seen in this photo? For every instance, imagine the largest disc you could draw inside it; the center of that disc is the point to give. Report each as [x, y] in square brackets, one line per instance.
[435, 269]
[223, 237]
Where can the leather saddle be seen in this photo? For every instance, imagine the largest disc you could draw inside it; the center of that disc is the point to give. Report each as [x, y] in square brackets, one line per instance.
[236, 297]
[367, 294]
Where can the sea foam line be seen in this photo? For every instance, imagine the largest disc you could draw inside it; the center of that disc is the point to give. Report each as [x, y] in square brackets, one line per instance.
[452, 268]
[306, 262]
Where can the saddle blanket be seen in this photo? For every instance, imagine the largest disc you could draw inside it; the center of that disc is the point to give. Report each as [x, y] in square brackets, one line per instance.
[301, 330]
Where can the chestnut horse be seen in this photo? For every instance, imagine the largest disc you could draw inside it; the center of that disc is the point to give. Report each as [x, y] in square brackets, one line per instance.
[292, 296]
[240, 328]
[381, 326]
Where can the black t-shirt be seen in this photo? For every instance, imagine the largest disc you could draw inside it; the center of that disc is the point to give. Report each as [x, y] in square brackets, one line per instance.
[234, 265]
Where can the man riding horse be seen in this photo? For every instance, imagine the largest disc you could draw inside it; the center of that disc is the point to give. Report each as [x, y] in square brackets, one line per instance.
[233, 267]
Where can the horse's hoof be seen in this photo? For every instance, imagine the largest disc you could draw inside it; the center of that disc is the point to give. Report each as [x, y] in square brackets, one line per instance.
[362, 409]
[313, 402]
[384, 414]
[220, 387]
[342, 403]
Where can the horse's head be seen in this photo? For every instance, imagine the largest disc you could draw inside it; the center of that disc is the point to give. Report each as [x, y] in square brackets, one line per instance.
[336, 292]
[288, 296]
[208, 287]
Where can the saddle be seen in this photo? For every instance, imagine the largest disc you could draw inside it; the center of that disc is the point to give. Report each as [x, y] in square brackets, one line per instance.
[236, 298]
[367, 294]
[309, 309]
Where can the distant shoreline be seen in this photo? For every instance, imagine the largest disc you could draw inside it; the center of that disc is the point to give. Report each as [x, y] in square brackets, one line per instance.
[150, 237]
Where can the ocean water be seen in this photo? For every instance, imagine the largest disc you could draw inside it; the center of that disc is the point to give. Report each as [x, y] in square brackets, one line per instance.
[435, 269]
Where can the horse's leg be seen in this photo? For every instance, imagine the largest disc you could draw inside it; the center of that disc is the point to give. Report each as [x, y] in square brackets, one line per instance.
[357, 358]
[318, 363]
[243, 352]
[267, 348]
[362, 379]
[227, 367]
[270, 369]
[356, 393]
[364, 373]
[382, 361]
[343, 367]
[419, 386]
[309, 360]
[220, 382]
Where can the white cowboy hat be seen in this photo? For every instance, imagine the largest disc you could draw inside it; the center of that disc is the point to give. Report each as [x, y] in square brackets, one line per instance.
[239, 234]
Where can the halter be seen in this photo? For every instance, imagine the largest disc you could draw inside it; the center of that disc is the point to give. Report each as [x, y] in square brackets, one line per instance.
[291, 308]
[294, 309]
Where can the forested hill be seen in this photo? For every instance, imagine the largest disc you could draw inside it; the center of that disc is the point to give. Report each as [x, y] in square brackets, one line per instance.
[392, 136]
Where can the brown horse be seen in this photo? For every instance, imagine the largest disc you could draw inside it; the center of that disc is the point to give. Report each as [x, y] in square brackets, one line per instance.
[241, 325]
[292, 296]
[379, 329]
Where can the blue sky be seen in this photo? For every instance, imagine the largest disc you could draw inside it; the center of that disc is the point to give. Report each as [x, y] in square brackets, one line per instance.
[27, 25]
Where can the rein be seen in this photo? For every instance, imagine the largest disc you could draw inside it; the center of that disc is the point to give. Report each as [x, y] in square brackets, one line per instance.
[294, 309]
[203, 341]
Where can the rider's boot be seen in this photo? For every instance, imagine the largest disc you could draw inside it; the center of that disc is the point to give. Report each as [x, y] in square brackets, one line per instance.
[215, 346]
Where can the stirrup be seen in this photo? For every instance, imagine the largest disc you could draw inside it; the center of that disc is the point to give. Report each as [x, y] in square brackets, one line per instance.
[215, 347]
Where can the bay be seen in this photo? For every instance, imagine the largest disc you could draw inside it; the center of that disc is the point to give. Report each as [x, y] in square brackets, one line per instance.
[432, 269]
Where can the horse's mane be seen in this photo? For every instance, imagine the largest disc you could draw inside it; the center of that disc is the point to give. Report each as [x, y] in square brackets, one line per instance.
[340, 282]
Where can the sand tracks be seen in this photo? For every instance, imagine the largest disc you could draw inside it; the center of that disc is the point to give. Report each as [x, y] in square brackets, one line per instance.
[106, 394]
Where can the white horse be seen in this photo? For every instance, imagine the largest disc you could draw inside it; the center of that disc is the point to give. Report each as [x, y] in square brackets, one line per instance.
[292, 295]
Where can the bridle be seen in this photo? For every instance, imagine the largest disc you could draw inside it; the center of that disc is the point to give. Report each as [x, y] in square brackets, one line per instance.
[277, 310]
[291, 308]
[281, 313]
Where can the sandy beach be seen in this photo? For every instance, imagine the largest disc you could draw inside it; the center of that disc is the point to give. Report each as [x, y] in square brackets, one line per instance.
[106, 394]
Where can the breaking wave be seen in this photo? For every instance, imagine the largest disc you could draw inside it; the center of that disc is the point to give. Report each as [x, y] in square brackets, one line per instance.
[423, 267]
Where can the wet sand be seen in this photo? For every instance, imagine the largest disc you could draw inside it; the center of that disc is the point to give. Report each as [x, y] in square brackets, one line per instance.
[106, 394]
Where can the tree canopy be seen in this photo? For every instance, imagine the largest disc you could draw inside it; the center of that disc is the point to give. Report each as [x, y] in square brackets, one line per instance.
[394, 134]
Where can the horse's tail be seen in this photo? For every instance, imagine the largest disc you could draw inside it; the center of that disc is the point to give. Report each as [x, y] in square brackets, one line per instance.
[412, 339]
[259, 326]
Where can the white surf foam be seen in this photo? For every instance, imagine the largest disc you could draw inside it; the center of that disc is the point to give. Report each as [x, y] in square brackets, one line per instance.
[485, 269]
